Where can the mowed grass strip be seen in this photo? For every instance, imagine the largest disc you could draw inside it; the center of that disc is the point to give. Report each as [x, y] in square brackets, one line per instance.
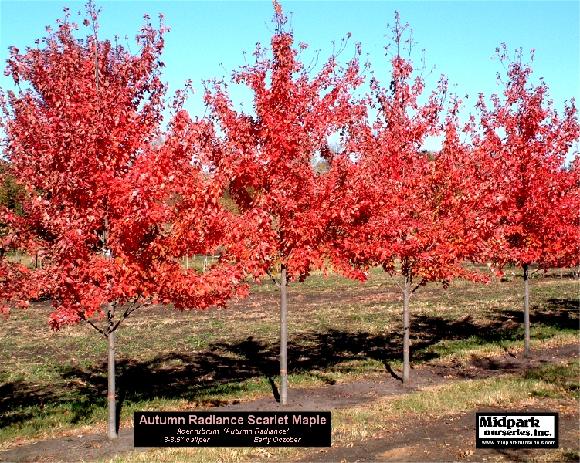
[53, 383]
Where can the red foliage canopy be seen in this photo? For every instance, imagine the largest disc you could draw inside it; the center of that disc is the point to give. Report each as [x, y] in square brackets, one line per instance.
[113, 200]
[532, 198]
[407, 209]
[266, 158]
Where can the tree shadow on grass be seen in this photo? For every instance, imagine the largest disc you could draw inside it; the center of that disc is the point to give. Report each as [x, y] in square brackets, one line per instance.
[204, 377]
[15, 399]
[562, 314]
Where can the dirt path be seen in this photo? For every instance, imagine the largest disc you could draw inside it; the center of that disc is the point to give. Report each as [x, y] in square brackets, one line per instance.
[450, 438]
[416, 443]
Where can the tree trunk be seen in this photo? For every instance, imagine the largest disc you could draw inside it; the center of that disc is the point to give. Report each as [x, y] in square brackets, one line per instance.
[283, 337]
[526, 313]
[111, 396]
[406, 329]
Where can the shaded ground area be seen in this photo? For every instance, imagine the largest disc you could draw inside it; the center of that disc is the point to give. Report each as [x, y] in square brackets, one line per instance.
[413, 440]
[195, 376]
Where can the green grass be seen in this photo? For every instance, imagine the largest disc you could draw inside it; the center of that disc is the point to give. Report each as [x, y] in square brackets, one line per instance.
[467, 395]
[564, 379]
[339, 330]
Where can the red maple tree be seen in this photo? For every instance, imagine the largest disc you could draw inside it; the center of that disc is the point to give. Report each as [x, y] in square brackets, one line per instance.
[266, 159]
[532, 197]
[406, 209]
[104, 193]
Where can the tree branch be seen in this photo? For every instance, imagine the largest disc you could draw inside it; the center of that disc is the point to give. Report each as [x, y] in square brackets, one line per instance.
[277, 283]
[399, 285]
[93, 325]
[128, 311]
[421, 283]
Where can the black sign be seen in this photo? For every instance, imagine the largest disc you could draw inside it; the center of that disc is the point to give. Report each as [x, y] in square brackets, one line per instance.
[516, 430]
[232, 429]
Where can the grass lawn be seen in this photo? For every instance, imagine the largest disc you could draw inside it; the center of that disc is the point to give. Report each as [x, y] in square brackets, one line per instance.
[54, 383]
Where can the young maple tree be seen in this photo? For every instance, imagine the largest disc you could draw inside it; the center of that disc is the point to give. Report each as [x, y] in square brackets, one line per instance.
[266, 160]
[104, 193]
[533, 203]
[408, 210]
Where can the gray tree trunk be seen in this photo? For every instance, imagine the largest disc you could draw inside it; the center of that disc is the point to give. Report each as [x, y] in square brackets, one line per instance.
[283, 337]
[406, 329]
[111, 395]
[526, 313]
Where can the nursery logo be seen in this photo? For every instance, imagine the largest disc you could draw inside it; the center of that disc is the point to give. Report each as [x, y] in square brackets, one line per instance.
[517, 430]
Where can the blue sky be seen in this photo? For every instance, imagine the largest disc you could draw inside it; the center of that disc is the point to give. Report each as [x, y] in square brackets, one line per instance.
[207, 38]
